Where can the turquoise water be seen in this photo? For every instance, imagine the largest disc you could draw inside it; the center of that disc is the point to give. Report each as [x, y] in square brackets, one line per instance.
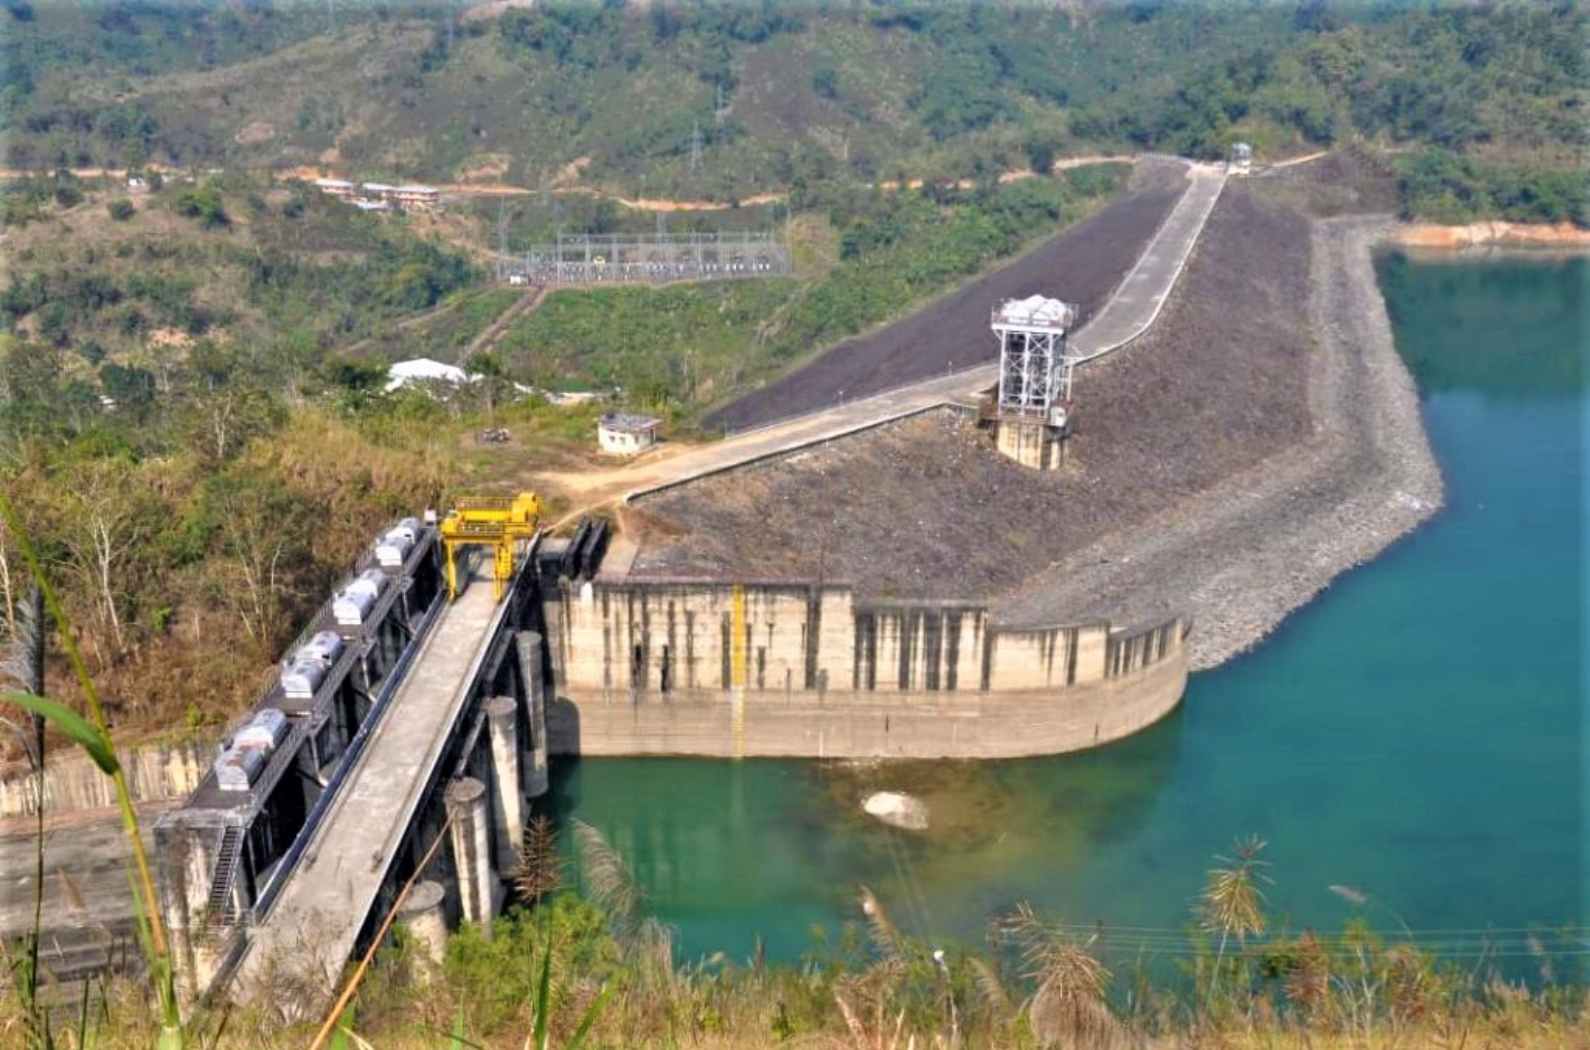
[1413, 735]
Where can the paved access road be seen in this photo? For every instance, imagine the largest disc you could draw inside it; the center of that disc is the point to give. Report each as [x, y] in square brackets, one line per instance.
[1130, 311]
[1136, 304]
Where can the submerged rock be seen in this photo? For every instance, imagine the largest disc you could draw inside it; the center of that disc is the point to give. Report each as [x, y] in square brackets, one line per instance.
[897, 809]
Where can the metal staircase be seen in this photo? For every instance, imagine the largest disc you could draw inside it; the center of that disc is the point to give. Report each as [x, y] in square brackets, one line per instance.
[221, 910]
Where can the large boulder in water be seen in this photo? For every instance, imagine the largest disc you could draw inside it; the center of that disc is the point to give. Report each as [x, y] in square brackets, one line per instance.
[897, 809]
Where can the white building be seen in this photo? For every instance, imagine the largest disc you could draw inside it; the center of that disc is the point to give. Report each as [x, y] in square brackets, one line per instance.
[1241, 162]
[429, 374]
[623, 434]
[414, 197]
[335, 187]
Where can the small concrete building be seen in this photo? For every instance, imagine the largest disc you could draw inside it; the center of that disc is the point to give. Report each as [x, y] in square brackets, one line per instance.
[1241, 162]
[335, 187]
[415, 197]
[623, 434]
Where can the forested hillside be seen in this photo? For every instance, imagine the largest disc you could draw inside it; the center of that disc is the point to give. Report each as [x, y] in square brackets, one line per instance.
[726, 99]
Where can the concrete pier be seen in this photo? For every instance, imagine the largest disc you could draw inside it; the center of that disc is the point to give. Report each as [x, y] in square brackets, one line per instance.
[478, 889]
[185, 878]
[1032, 444]
[533, 761]
[425, 915]
[507, 795]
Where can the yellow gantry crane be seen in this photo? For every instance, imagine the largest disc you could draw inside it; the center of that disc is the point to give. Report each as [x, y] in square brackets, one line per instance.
[498, 522]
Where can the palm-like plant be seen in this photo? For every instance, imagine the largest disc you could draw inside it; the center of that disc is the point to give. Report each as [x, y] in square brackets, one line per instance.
[1068, 1006]
[1232, 904]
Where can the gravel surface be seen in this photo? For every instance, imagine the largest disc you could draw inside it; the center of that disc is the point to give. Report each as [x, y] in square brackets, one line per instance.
[1244, 554]
[1082, 264]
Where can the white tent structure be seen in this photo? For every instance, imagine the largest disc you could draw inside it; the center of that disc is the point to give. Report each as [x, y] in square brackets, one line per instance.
[424, 370]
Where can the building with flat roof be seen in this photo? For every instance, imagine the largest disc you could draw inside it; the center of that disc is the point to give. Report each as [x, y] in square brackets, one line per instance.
[623, 434]
[1241, 162]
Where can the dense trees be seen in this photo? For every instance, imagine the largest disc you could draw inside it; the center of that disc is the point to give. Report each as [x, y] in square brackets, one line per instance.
[1445, 187]
[1458, 77]
[223, 283]
[193, 501]
[777, 89]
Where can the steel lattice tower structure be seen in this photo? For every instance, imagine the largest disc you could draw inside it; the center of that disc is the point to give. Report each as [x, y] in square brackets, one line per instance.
[1034, 369]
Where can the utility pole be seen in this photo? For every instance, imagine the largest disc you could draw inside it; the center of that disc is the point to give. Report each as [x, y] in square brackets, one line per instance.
[502, 238]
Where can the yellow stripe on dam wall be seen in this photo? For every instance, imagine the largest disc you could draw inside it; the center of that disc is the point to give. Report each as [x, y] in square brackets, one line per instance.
[737, 635]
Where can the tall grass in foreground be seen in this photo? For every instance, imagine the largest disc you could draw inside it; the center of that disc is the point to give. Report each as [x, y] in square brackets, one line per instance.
[92, 734]
[592, 969]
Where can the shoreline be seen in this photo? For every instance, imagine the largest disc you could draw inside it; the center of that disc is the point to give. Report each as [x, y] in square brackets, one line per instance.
[1490, 234]
[1368, 494]
[1242, 556]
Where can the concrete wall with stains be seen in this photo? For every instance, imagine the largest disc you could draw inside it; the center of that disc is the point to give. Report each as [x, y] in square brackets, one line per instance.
[790, 669]
[155, 773]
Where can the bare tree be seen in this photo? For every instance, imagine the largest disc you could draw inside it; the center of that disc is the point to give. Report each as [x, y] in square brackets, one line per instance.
[8, 601]
[260, 551]
[103, 529]
[259, 560]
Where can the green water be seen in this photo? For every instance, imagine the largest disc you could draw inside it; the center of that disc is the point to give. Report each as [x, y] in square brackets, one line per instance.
[1414, 734]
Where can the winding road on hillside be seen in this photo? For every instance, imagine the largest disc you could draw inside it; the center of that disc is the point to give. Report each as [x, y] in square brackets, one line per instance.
[1127, 315]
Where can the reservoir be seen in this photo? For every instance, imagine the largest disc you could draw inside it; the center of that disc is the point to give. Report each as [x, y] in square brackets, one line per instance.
[1410, 744]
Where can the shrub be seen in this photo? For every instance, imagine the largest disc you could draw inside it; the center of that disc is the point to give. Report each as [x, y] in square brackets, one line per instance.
[204, 204]
[121, 210]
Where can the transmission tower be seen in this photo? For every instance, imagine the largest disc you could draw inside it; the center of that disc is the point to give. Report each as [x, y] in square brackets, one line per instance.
[695, 147]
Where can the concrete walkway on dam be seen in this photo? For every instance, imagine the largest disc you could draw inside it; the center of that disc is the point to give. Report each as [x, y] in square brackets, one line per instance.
[1131, 310]
[315, 921]
[1136, 304]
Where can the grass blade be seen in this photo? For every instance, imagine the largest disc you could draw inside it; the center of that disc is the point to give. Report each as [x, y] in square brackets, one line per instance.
[543, 1002]
[340, 1039]
[74, 725]
[590, 1017]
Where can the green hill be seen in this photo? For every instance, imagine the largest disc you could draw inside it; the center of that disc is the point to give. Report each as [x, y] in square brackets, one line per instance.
[726, 99]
